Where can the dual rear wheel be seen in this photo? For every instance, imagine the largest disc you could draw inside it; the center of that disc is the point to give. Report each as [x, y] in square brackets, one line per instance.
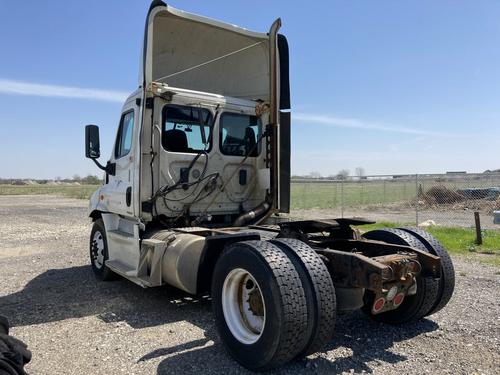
[273, 302]
[431, 294]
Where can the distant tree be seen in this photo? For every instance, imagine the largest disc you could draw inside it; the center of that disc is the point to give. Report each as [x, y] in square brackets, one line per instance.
[76, 178]
[360, 172]
[91, 180]
[343, 174]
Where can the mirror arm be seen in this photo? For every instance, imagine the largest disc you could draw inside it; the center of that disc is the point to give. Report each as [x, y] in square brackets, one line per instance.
[110, 168]
[99, 165]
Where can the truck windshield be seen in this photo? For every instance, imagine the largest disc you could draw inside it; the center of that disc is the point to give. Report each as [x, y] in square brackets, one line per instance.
[239, 134]
[186, 129]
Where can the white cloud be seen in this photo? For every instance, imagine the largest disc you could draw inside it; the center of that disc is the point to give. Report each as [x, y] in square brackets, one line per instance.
[353, 123]
[13, 87]
[35, 89]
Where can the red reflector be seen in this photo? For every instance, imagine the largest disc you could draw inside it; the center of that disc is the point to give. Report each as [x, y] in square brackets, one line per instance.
[379, 304]
[398, 299]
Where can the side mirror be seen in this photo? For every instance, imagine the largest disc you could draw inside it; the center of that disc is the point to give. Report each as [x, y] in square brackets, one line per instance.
[92, 147]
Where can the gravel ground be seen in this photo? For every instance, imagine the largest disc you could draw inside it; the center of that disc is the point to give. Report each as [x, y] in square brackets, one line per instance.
[76, 325]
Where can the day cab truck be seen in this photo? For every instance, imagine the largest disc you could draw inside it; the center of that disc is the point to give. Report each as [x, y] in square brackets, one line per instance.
[194, 189]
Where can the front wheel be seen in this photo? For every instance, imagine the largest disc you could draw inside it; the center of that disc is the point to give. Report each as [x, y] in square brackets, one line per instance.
[99, 252]
[259, 305]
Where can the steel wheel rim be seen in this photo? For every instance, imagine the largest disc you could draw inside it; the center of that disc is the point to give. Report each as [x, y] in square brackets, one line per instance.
[98, 249]
[243, 306]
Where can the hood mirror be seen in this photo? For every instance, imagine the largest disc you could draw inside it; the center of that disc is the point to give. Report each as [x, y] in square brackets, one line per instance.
[92, 146]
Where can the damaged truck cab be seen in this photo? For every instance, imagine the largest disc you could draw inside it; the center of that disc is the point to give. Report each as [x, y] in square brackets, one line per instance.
[198, 176]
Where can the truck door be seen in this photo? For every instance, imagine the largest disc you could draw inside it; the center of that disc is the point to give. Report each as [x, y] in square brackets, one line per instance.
[119, 189]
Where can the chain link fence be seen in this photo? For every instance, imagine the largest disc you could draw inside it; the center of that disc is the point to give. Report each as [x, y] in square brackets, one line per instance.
[445, 199]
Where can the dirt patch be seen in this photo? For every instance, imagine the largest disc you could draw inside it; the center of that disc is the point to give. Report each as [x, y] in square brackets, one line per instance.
[441, 198]
[441, 195]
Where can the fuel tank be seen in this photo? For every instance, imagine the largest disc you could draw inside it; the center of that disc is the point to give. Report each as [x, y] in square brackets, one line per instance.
[181, 258]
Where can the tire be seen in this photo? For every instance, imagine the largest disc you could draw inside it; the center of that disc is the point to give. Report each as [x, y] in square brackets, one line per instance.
[273, 331]
[99, 252]
[447, 279]
[415, 307]
[319, 292]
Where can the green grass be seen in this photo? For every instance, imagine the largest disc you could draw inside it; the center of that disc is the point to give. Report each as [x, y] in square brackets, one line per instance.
[459, 241]
[307, 195]
[70, 191]
[316, 194]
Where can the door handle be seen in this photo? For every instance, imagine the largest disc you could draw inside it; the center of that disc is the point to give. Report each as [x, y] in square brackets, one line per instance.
[128, 196]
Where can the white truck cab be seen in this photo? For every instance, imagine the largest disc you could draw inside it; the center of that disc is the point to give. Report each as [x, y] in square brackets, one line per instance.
[200, 165]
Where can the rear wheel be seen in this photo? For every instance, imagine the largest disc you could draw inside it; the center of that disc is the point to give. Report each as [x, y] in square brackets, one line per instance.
[99, 252]
[414, 307]
[447, 279]
[319, 292]
[259, 305]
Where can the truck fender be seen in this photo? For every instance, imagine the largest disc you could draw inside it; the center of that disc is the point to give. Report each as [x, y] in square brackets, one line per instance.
[214, 246]
[96, 205]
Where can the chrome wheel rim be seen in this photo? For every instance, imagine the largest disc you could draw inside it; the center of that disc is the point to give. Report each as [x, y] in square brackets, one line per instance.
[243, 306]
[98, 250]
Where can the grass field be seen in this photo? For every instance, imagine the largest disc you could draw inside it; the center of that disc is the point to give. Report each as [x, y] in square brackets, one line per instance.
[303, 195]
[71, 191]
[307, 195]
[334, 194]
[460, 241]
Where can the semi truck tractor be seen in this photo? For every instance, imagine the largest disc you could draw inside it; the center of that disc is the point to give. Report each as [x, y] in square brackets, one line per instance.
[197, 186]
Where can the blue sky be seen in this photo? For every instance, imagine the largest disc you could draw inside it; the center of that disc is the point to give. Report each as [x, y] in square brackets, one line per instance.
[392, 86]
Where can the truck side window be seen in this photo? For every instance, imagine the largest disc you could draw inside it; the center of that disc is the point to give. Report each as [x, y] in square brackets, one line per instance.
[239, 134]
[125, 132]
[186, 129]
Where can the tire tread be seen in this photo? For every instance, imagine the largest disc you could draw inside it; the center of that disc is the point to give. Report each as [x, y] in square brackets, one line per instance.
[322, 289]
[447, 281]
[293, 301]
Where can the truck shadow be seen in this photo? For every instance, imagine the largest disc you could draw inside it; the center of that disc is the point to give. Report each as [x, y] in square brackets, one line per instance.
[58, 294]
[74, 292]
[362, 345]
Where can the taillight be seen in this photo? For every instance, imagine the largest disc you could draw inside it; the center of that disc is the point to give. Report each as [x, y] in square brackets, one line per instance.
[398, 299]
[378, 305]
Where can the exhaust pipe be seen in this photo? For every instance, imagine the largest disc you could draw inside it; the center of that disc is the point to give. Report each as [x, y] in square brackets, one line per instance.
[248, 216]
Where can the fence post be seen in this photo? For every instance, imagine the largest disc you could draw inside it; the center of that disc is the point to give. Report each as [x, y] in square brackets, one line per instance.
[416, 199]
[342, 198]
[479, 237]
